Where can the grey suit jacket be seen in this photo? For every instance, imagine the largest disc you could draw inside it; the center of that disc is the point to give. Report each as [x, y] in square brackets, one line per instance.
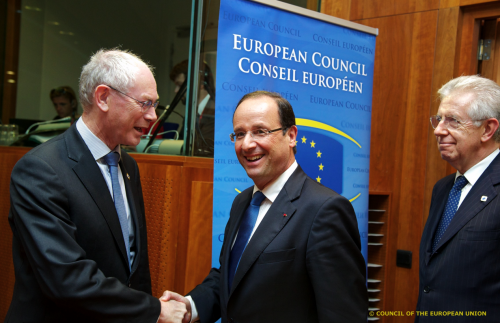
[68, 249]
[463, 274]
[303, 263]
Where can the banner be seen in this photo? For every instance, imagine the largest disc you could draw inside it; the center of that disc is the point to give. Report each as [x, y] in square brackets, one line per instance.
[324, 70]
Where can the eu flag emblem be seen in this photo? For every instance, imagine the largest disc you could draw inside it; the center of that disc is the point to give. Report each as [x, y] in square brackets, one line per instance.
[321, 157]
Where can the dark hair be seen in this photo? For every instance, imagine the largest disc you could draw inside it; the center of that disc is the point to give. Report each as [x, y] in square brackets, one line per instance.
[64, 91]
[285, 110]
[207, 78]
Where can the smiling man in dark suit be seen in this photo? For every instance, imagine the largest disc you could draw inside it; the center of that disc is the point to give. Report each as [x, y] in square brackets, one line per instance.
[291, 250]
[77, 214]
[460, 247]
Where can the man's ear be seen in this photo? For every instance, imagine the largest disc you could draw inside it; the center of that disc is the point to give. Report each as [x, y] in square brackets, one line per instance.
[101, 97]
[292, 133]
[490, 127]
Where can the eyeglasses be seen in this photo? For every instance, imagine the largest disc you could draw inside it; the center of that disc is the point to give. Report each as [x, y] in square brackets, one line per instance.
[449, 122]
[256, 134]
[145, 105]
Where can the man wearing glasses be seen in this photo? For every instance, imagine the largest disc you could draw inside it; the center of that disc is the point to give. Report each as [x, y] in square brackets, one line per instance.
[460, 246]
[77, 214]
[291, 250]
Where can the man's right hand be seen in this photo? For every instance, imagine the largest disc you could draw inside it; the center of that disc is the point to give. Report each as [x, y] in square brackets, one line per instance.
[172, 312]
[169, 296]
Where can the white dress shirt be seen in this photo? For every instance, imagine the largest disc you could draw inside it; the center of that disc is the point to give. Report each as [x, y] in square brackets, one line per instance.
[99, 149]
[473, 174]
[271, 193]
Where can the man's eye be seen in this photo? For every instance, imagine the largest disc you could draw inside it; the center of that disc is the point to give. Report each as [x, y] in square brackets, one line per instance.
[260, 132]
[148, 103]
[240, 135]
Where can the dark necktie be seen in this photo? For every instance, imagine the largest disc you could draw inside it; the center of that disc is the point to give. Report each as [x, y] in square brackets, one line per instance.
[112, 160]
[246, 228]
[450, 209]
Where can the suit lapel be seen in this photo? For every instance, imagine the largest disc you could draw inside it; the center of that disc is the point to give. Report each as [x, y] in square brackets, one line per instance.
[436, 212]
[271, 225]
[91, 177]
[472, 204]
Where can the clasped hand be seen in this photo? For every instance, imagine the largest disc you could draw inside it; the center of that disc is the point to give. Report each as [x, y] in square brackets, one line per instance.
[174, 308]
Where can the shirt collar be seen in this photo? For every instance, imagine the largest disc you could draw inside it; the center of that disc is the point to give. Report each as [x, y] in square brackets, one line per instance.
[272, 190]
[473, 174]
[97, 147]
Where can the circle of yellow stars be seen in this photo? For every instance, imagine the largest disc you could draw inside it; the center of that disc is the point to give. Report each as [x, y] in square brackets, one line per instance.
[318, 155]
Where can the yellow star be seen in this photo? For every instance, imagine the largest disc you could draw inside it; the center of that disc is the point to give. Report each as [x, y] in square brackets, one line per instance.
[318, 179]
[296, 142]
[312, 144]
[319, 154]
[321, 166]
[304, 140]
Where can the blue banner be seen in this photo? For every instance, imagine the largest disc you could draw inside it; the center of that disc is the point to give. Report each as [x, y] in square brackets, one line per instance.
[324, 70]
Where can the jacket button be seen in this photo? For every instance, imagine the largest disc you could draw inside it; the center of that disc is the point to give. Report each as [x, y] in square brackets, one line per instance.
[427, 289]
[129, 285]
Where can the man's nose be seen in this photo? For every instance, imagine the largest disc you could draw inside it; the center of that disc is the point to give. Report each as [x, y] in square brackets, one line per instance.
[248, 142]
[441, 129]
[150, 114]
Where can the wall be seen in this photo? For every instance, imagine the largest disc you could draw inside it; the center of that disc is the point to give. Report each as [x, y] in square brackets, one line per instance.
[417, 51]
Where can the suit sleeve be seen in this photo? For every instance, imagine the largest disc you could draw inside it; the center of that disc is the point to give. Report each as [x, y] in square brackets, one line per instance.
[41, 222]
[335, 264]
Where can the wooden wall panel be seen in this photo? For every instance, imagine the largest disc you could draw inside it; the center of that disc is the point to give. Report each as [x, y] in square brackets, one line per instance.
[161, 206]
[401, 103]
[337, 8]
[472, 2]
[390, 89]
[8, 158]
[413, 159]
[192, 172]
[444, 65]
[200, 239]
[364, 9]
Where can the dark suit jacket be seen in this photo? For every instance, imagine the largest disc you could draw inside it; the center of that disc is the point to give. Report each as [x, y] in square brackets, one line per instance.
[68, 249]
[302, 267]
[463, 274]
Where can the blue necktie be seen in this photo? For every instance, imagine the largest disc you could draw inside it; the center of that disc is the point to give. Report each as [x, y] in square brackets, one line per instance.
[112, 160]
[450, 209]
[246, 228]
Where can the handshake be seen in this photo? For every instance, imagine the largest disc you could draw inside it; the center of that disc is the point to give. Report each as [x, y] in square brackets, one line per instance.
[174, 308]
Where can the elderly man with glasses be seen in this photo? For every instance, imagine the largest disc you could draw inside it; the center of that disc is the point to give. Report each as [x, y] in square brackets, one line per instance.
[77, 213]
[291, 250]
[460, 246]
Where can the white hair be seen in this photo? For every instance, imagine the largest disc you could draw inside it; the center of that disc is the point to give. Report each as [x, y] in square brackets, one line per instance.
[114, 67]
[485, 103]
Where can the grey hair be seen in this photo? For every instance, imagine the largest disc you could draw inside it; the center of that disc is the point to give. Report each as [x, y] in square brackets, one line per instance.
[114, 67]
[485, 103]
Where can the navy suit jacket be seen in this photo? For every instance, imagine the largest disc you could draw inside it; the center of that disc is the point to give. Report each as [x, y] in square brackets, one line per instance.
[463, 274]
[303, 267]
[68, 249]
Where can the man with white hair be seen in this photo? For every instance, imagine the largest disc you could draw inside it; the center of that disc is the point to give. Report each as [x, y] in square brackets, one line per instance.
[460, 246]
[77, 213]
